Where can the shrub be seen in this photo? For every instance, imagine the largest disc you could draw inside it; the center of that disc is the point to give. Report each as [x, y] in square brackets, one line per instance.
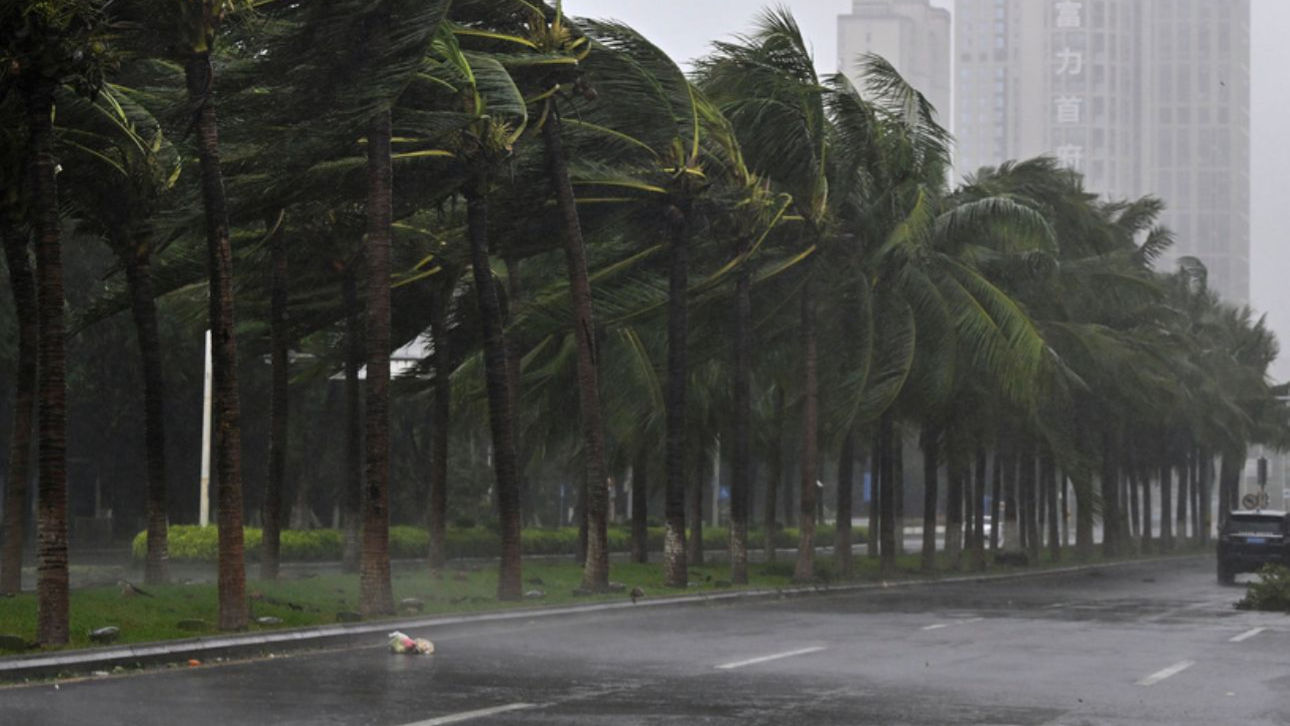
[190, 543]
[1270, 592]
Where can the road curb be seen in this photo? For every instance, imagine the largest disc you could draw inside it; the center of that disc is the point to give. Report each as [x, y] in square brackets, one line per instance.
[244, 645]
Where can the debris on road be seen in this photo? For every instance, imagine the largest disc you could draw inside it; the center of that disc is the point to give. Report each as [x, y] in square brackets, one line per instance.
[401, 643]
[105, 635]
[129, 589]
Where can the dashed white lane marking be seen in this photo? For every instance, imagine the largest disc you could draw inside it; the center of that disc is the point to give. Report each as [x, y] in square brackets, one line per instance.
[471, 715]
[767, 658]
[938, 626]
[1246, 635]
[1172, 670]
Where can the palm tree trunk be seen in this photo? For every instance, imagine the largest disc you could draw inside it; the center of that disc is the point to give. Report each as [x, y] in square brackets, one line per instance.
[353, 485]
[1110, 498]
[272, 533]
[675, 570]
[931, 477]
[1196, 483]
[1206, 515]
[51, 407]
[1131, 475]
[1011, 514]
[1064, 483]
[138, 271]
[886, 498]
[978, 510]
[741, 464]
[640, 503]
[1049, 465]
[804, 569]
[595, 575]
[233, 610]
[1145, 527]
[875, 493]
[23, 286]
[376, 593]
[774, 475]
[898, 493]
[1083, 486]
[1166, 507]
[996, 491]
[500, 415]
[846, 482]
[1028, 482]
[695, 508]
[953, 504]
[441, 417]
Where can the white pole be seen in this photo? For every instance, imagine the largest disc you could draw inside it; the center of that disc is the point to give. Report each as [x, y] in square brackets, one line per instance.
[204, 517]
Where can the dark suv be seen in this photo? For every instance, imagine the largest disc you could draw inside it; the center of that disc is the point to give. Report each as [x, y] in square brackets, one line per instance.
[1250, 539]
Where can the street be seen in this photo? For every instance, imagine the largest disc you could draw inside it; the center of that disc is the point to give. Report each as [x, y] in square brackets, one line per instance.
[1149, 643]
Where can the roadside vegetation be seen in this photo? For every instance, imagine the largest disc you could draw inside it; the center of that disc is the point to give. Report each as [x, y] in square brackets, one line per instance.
[305, 598]
[1270, 591]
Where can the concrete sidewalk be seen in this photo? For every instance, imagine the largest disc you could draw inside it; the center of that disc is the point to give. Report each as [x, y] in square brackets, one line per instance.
[373, 634]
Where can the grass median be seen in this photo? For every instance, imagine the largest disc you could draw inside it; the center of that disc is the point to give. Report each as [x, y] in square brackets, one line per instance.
[167, 612]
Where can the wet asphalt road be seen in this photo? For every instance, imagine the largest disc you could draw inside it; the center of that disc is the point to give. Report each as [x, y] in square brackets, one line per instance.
[1144, 644]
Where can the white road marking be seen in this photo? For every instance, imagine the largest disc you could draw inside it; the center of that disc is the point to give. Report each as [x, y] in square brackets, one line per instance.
[471, 715]
[766, 658]
[1056, 605]
[938, 626]
[1172, 670]
[1246, 635]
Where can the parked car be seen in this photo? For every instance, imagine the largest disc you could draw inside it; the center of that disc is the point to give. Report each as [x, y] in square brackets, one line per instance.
[1250, 539]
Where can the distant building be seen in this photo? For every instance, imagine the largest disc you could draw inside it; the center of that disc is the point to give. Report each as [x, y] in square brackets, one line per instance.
[1196, 144]
[1141, 96]
[911, 34]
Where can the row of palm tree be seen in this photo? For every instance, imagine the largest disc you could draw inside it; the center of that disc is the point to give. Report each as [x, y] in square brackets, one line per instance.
[744, 246]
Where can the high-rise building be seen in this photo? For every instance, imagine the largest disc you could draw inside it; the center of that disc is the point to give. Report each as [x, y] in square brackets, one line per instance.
[911, 34]
[1141, 96]
[1196, 144]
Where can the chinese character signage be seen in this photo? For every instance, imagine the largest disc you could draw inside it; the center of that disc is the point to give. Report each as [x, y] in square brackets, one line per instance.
[1069, 14]
[1068, 65]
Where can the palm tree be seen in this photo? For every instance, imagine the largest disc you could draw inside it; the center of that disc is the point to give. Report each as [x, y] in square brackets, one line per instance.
[14, 237]
[653, 133]
[483, 137]
[553, 47]
[117, 137]
[50, 45]
[766, 85]
[198, 26]
[23, 286]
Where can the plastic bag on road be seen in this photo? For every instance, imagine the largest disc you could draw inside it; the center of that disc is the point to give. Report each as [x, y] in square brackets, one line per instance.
[401, 643]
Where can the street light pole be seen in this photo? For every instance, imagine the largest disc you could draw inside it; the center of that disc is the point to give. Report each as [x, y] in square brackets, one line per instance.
[204, 507]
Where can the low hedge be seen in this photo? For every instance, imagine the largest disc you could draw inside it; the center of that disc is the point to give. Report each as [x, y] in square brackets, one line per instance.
[190, 543]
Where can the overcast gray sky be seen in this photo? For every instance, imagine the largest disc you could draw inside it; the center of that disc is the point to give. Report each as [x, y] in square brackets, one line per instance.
[684, 28]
